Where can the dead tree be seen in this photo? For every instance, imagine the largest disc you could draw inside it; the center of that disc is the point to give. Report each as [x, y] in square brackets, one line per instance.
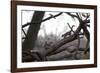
[55, 46]
[82, 25]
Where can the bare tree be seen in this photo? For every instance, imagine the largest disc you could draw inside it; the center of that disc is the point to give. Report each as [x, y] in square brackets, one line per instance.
[53, 50]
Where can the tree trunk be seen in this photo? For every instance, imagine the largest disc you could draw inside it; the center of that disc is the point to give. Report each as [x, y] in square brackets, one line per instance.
[32, 32]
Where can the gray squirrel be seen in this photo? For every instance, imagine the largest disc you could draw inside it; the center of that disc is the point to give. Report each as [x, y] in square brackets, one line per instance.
[69, 32]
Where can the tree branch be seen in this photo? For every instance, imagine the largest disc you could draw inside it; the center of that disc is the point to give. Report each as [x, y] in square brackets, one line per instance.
[48, 18]
[71, 28]
[24, 33]
[72, 15]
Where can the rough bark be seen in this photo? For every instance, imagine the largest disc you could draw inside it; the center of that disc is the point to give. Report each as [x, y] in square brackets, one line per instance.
[28, 43]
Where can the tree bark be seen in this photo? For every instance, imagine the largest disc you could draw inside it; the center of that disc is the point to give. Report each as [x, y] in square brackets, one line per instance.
[28, 43]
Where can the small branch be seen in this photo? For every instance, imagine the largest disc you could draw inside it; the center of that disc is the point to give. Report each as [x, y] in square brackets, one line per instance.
[24, 33]
[88, 25]
[71, 28]
[87, 16]
[79, 17]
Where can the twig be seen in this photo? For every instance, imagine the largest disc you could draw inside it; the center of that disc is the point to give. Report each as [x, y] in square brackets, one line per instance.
[71, 28]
